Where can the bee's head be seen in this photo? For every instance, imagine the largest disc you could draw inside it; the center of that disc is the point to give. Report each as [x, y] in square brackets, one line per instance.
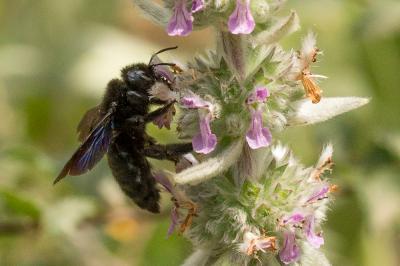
[139, 76]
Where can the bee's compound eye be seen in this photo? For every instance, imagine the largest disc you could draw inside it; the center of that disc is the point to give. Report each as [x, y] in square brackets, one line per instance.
[135, 75]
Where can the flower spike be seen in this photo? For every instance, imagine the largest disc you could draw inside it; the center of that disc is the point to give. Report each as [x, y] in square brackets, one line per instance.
[241, 195]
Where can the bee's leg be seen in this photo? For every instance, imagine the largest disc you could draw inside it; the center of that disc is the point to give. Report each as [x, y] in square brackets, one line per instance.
[156, 113]
[157, 101]
[171, 152]
[141, 120]
[149, 139]
[135, 121]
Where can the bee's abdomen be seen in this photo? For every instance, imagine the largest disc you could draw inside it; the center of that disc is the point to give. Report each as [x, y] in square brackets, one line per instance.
[132, 172]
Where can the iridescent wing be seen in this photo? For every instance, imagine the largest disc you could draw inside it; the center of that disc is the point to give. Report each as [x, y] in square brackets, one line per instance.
[91, 150]
[88, 122]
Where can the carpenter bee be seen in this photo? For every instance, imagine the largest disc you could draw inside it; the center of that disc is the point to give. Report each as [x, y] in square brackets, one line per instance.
[117, 127]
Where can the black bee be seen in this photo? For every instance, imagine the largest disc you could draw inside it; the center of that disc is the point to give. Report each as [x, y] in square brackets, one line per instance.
[117, 127]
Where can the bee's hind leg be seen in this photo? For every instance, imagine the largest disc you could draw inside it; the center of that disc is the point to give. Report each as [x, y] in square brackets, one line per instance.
[171, 152]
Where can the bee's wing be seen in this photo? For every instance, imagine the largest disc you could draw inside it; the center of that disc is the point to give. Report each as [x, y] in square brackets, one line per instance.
[88, 122]
[91, 150]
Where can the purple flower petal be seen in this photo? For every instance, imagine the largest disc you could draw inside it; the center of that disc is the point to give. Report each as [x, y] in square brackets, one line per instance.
[259, 95]
[197, 5]
[319, 194]
[241, 21]
[294, 218]
[262, 94]
[258, 136]
[315, 240]
[174, 221]
[290, 251]
[181, 22]
[205, 141]
[193, 101]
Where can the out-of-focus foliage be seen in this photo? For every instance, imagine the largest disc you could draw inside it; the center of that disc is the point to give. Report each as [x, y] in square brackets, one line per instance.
[55, 60]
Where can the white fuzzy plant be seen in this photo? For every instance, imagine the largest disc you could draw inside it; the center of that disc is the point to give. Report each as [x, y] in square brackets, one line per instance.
[241, 197]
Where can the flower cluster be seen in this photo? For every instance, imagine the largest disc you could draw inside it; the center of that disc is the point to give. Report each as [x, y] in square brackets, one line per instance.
[181, 22]
[288, 206]
[241, 195]
[205, 141]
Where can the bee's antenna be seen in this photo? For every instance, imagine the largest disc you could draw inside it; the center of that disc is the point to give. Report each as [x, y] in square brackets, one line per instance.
[161, 51]
[163, 64]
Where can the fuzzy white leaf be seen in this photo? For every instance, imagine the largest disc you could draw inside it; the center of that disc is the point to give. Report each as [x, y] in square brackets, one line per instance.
[231, 258]
[280, 154]
[306, 113]
[276, 5]
[312, 257]
[155, 12]
[284, 27]
[197, 258]
[211, 167]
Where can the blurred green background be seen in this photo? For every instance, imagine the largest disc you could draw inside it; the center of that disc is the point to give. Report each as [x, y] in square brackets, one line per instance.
[55, 60]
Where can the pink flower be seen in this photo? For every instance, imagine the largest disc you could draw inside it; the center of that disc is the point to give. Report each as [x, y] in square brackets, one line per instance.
[193, 102]
[181, 22]
[295, 218]
[315, 240]
[318, 194]
[258, 136]
[197, 5]
[205, 141]
[241, 21]
[259, 95]
[290, 251]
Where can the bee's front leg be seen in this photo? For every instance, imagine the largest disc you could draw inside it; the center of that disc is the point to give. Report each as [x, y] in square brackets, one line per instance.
[156, 113]
[171, 152]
